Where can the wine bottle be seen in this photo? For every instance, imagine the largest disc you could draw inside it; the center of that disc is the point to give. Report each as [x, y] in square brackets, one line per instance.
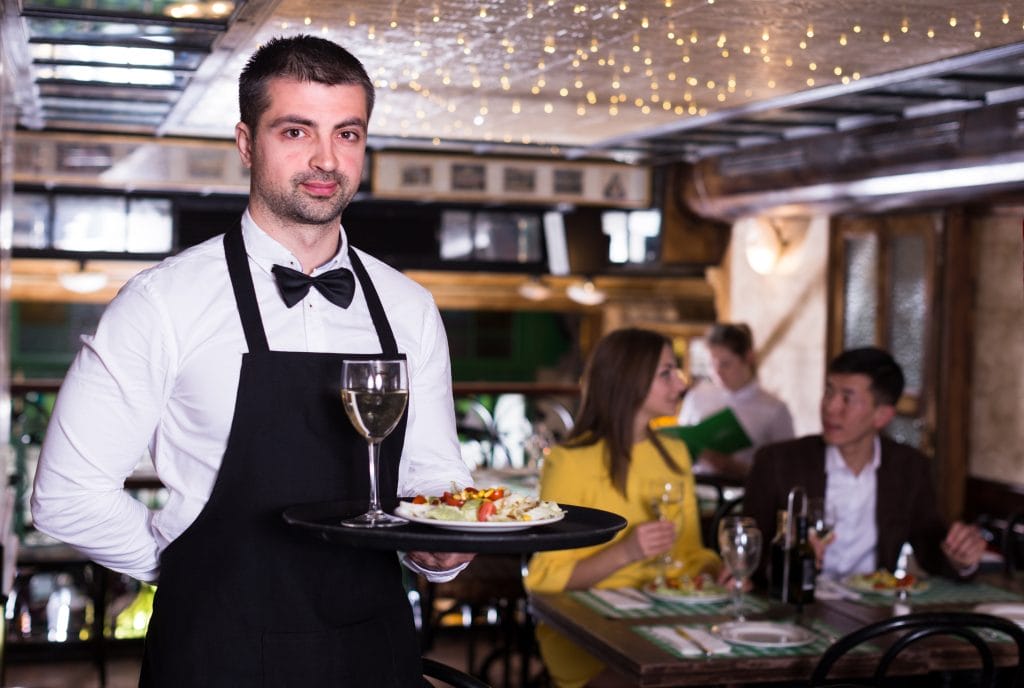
[802, 566]
[778, 585]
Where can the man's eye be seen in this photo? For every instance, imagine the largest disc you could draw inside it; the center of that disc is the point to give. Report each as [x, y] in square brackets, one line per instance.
[293, 133]
[350, 135]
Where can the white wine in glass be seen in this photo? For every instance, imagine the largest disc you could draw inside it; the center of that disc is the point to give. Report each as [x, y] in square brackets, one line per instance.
[665, 499]
[374, 393]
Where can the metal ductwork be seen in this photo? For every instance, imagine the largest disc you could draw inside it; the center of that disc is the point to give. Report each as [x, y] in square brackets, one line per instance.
[950, 157]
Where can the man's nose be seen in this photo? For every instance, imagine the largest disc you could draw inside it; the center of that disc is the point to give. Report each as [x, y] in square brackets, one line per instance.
[324, 156]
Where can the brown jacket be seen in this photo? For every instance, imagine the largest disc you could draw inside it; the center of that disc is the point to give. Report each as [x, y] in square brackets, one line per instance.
[906, 508]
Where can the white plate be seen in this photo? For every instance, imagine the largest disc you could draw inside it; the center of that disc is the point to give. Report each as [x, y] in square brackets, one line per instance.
[670, 595]
[412, 512]
[765, 634]
[1014, 611]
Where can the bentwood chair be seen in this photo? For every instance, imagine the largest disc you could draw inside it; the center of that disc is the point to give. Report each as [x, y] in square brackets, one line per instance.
[450, 676]
[921, 625]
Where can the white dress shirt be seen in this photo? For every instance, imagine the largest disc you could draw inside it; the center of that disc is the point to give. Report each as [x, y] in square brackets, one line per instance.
[854, 497]
[162, 373]
[764, 417]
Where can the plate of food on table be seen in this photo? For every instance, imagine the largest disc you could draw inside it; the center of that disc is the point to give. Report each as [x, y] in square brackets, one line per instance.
[494, 509]
[699, 589]
[882, 582]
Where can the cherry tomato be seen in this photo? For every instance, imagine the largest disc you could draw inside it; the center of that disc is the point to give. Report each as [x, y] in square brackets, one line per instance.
[485, 511]
[496, 494]
[451, 500]
[419, 499]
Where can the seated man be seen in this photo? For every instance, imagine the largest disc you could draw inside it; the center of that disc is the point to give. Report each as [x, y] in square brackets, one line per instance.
[882, 490]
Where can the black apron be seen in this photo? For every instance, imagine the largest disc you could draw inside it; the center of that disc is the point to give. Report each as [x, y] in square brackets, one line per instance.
[245, 601]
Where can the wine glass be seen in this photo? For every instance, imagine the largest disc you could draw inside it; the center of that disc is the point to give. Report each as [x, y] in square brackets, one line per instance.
[739, 541]
[665, 501]
[374, 393]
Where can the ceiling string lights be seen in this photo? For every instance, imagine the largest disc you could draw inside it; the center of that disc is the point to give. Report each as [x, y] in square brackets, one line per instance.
[600, 62]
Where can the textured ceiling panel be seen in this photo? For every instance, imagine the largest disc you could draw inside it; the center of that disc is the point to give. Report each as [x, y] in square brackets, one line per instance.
[636, 77]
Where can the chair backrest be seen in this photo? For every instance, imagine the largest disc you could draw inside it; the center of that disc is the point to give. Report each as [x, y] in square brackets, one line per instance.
[450, 675]
[920, 625]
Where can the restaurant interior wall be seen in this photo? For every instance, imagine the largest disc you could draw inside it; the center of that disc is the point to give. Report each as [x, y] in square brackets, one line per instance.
[787, 312]
[997, 397]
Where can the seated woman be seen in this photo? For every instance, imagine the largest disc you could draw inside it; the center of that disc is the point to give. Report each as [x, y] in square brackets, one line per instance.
[608, 462]
[764, 417]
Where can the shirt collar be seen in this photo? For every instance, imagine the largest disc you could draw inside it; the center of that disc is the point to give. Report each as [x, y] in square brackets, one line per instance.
[745, 392]
[834, 459]
[266, 252]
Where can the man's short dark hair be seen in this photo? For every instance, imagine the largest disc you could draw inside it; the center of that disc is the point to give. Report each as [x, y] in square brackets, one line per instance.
[303, 58]
[885, 373]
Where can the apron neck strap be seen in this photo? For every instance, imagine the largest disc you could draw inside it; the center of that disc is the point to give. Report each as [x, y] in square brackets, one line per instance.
[245, 292]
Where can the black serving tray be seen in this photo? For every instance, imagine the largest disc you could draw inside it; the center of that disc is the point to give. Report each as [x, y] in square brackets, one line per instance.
[581, 527]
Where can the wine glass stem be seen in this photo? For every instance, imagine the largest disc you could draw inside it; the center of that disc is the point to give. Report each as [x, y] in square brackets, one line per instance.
[374, 454]
[737, 597]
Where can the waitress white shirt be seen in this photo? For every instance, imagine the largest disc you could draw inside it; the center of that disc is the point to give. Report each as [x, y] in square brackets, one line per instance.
[764, 417]
[162, 373]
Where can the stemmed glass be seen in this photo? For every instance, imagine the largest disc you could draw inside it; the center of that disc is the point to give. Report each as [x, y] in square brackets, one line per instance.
[665, 500]
[374, 393]
[739, 542]
[821, 517]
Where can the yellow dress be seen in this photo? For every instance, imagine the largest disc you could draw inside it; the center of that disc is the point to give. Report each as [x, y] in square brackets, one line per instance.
[579, 476]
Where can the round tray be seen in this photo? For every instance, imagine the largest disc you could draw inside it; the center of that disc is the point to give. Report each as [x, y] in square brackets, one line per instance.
[581, 527]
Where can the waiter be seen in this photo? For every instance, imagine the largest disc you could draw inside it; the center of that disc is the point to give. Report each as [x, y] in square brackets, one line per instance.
[224, 362]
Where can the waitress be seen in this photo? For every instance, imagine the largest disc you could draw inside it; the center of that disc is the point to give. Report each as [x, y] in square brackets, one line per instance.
[229, 377]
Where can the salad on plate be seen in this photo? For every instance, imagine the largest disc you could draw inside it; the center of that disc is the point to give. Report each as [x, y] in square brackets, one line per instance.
[685, 588]
[472, 506]
[883, 582]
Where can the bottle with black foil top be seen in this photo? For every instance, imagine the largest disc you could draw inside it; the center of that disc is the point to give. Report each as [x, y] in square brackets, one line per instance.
[778, 564]
[802, 565]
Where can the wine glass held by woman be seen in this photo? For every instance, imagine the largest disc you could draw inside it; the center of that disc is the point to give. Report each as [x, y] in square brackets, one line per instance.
[608, 462]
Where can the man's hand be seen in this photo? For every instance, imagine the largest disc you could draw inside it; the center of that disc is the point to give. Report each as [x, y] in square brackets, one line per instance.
[819, 546]
[440, 561]
[963, 546]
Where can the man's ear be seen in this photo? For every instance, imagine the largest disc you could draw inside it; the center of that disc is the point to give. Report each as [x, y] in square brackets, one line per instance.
[243, 141]
[884, 413]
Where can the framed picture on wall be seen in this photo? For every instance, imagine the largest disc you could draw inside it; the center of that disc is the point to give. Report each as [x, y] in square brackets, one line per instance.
[469, 177]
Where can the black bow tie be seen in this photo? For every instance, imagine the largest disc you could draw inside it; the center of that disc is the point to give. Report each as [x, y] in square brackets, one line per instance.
[337, 285]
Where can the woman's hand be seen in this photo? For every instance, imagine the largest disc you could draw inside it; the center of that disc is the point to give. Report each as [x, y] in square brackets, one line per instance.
[650, 538]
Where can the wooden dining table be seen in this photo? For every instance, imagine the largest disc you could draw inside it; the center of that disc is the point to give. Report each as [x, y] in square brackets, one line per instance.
[629, 640]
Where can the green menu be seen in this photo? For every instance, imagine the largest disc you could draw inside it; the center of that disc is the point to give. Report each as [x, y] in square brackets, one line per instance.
[720, 432]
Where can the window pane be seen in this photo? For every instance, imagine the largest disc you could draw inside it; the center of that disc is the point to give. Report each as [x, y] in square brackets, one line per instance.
[456, 235]
[31, 221]
[89, 223]
[149, 225]
[507, 237]
[908, 314]
[860, 305]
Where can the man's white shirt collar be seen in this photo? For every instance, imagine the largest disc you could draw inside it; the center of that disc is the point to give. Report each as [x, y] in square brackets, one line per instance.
[268, 252]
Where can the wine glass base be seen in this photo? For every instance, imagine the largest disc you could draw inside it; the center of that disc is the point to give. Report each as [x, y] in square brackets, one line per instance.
[374, 519]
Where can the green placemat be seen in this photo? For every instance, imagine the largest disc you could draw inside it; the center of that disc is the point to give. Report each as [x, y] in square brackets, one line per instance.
[751, 605]
[944, 591]
[826, 636]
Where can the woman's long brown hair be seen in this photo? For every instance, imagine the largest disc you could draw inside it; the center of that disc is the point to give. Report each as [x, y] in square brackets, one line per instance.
[616, 380]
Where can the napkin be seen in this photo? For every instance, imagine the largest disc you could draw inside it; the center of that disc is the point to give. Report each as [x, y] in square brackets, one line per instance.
[828, 589]
[709, 640]
[668, 635]
[622, 598]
